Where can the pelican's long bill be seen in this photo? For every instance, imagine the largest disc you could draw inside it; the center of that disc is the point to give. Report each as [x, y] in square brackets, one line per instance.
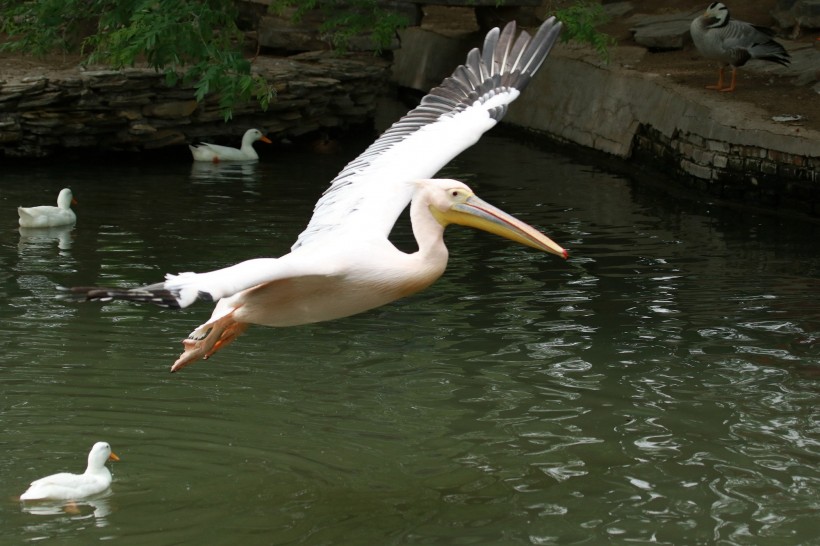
[477, 213]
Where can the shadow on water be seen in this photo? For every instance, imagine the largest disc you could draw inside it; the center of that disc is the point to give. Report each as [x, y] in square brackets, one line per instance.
[659, 386]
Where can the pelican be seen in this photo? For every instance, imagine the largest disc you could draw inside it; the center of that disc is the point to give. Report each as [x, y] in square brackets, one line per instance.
[732, 42]
[46, 216]
[214, 153]
[343, 262]
[67, 486]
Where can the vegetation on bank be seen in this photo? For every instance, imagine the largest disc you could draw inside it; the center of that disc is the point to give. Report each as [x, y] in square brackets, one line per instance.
[195, 40]
[199, 42]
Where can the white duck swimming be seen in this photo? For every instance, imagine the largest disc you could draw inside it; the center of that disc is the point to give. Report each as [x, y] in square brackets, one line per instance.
[66, 486]
[47, 216]
[731, 42]
[215, 153]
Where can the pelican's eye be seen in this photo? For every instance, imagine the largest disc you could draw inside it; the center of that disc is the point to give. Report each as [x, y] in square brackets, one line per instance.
[459, 194]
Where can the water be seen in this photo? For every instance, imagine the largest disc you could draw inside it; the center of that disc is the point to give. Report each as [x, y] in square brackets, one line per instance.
[660, 386]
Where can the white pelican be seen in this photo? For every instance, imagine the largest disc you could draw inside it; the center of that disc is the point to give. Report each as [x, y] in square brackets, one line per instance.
[46, 216]
[67, 486]
[343, 263]
[731, 42]
[214, 153]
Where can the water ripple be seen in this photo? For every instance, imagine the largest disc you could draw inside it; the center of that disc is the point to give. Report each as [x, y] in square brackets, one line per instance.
[660, 386]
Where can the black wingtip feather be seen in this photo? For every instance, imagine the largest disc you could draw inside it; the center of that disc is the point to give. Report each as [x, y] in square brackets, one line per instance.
[160, 297]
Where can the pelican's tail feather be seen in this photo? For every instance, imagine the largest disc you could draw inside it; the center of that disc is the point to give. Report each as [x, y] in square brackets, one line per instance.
[155, 294]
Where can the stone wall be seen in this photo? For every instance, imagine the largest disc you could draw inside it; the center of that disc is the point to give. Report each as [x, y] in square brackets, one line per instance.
[733, 153]
[135, 110]
[742, 173]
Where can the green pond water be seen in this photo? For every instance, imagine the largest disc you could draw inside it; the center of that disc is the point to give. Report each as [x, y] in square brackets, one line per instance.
[660, 386]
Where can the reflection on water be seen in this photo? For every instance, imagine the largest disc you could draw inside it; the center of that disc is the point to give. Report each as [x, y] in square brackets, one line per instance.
[228, 172]
[660, 386]
[37, 236]
[97, 510]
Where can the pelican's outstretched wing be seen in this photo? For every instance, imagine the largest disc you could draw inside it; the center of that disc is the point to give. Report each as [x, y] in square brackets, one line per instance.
[450, 119]
[370, 193]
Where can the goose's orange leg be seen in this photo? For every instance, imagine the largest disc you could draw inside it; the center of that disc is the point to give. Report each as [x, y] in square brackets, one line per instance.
[734, 80]
[719, 85]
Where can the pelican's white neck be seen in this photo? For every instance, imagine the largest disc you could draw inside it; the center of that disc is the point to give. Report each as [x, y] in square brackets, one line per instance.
[427, 230]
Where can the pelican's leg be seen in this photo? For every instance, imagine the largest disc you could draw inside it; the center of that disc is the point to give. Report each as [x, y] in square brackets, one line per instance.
[208, 339]
[734, 80]
[719, 85]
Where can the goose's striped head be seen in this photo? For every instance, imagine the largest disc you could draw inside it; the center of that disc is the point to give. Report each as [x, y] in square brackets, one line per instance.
[716, 15]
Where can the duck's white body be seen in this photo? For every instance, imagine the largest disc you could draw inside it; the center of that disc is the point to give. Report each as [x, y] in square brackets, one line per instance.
[47, 216]
[67, 486]
[214, 153]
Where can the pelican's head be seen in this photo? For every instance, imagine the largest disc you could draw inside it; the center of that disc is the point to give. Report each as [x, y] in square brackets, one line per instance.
[453, 202]
[716, 15]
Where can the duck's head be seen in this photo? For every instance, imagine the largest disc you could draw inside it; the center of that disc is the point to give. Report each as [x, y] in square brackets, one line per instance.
[66, 199]
[100, 454]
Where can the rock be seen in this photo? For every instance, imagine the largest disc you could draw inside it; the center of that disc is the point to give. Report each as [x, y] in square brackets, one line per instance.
[680, 130]
[96, 79]
[805, 13]
[284, 33]
[661, 31]
[10, 131]
[618, 9]
[163, 139]
[433, 52]
[142, 129]
[130, 115]
[170, 110]
[42, 99]
[25, 86]
[135, 109]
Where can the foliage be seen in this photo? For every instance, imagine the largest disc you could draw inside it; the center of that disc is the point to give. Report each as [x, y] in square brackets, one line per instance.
[197, 41]
[345, 19]
[580, 19]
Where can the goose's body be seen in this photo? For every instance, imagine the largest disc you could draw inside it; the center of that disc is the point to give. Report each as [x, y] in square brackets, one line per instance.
[733, 43]
[343, 262]
[67, 486]
[214, 153]
[46, 216]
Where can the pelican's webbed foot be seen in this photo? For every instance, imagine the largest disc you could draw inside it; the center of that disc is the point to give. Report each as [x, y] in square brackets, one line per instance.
[208, 339]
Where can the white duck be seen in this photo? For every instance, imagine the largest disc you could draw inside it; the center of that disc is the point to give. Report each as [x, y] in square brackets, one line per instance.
[215, 153]
[47, 216]
[731, 42]
[67, 486]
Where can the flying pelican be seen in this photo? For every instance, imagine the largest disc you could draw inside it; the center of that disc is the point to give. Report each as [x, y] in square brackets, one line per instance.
[732, 42]
[343, 262]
